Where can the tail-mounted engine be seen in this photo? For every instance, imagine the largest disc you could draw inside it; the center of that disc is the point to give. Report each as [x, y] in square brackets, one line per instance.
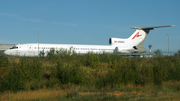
[115, 41]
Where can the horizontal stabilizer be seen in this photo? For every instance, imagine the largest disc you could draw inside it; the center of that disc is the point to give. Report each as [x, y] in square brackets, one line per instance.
[151, 28]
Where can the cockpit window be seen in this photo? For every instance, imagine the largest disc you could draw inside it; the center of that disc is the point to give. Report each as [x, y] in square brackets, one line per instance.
[14, 47]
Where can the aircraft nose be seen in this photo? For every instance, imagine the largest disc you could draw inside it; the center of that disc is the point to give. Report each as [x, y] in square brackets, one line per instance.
[7, 52]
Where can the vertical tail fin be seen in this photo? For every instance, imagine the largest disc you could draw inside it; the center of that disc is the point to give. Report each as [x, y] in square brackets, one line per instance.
[139, 36]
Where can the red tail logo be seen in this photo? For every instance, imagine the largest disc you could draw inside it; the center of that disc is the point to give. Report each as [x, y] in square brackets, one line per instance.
[137, 35]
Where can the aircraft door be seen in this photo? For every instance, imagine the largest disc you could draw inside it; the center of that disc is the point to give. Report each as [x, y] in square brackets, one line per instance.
[30, 48]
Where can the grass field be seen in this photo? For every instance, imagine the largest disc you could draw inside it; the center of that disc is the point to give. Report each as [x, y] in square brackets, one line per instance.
[167, 92]
[90, 77]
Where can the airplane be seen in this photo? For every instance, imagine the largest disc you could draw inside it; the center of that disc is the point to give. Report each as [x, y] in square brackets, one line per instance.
[131, 46]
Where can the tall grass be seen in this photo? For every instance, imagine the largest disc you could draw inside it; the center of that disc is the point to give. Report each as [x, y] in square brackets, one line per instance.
[20, 74]
[168, 91]
[94, 71]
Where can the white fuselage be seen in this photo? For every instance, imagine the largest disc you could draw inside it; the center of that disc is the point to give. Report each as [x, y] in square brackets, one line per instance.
[31, 50]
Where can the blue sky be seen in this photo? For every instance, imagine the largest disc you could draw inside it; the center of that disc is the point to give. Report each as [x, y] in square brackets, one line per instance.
[88, 21]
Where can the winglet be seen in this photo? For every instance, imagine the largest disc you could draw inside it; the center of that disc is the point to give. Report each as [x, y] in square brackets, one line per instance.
[151, 28]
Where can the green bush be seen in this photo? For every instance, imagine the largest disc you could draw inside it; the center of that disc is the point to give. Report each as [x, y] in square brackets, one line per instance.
[4, 65]
[69, 73]
[175, 74]
[92, 59]
[158, 53]
[51, 55]
[14, 81]
[122, 72]
[89, 70]
[20, 74]
[4, 61]
[157, 73]
[177, 54]
[31, 68]
[42, 54]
